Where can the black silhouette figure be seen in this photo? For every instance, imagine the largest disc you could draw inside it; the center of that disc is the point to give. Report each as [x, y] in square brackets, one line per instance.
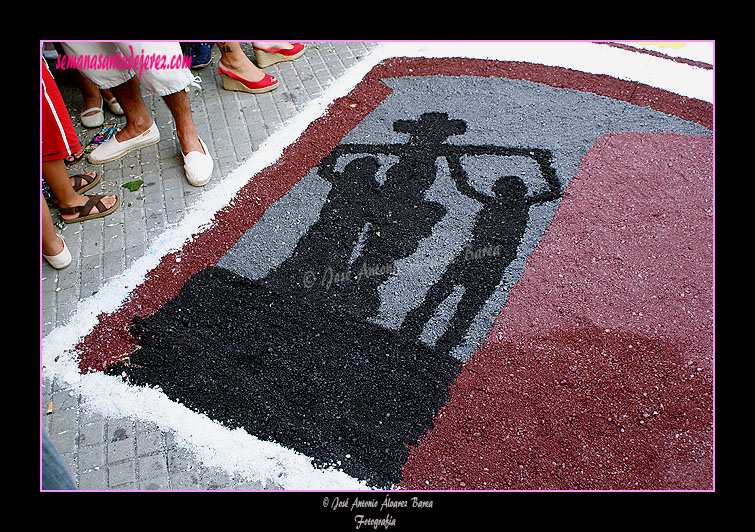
[480, 266]
[407, 217]
[324, 251]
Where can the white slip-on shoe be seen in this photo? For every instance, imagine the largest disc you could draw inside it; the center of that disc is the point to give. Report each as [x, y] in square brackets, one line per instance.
[94, 120]
[111, 149]
[61, 260]
[198, 166]
[115, 107]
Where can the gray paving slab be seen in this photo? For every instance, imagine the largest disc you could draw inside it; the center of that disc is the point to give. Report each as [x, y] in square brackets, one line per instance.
[106, 453]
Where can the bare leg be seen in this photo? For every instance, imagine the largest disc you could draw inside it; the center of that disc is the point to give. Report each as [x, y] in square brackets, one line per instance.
[107, 94]
[89, 92]
[138, 119]
[55, 175]
[234, 60]
[180, 107]
[52, 244]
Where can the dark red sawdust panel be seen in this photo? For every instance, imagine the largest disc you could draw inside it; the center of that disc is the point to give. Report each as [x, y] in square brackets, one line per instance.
[598, 372]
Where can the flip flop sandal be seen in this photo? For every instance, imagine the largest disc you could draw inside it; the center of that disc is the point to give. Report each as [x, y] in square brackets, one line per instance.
[76, 157]
[81, 183]
[85, 210]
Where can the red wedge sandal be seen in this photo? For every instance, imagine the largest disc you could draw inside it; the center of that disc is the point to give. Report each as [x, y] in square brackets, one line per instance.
[269, 56]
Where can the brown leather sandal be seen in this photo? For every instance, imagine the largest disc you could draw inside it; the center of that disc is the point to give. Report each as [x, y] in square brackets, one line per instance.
[81, 183]
[85, 210]
[84, 182]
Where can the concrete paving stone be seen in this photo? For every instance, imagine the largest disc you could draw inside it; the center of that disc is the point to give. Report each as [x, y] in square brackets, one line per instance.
[113, 238]
[113, 261]
[153, 466]
[91, 457]
[248, 486]
[186, 480]
[65, 310]
[89, 288]
[64, 438]
[48, 316]
[129, 486]
[93, 479]
[154, 484]
[120, 444]
[149, 442]
[92, 433]
[214, 479]
[67, 296]
[179, 459]
[91, 240]
[64, 400]
[90, 262]
[122, 474]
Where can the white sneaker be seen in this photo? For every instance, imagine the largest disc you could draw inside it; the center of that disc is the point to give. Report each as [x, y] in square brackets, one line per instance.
[198, 166]
[111, 149]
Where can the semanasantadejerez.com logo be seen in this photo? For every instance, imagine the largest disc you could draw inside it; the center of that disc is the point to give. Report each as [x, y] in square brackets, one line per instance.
[136, 62]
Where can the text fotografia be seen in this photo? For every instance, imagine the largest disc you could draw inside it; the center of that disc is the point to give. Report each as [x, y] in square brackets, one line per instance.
[357, 506]
[136, 62]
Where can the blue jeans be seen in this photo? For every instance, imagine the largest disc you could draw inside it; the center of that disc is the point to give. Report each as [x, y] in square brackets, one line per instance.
[55, 475]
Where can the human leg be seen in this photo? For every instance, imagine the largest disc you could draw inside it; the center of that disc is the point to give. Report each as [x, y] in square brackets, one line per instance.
[186, 131]
[198, 163]
[234, 60]
[239, 73]
[55, 175]
[91, 110]
[138, 119]
[54, 248]
[139, 131]
[55, 475]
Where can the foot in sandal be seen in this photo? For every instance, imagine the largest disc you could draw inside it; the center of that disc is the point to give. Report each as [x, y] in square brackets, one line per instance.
[87, 207]
[80, 184]
[270, 53]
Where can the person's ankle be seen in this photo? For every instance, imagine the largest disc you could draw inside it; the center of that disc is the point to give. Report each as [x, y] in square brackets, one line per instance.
[134, 127]
[230, 63]
[94, 100]
[189, 141]
[243, 69]
[52, 248]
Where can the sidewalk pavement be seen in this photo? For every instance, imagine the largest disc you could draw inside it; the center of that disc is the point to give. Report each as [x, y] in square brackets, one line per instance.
[123, 454]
